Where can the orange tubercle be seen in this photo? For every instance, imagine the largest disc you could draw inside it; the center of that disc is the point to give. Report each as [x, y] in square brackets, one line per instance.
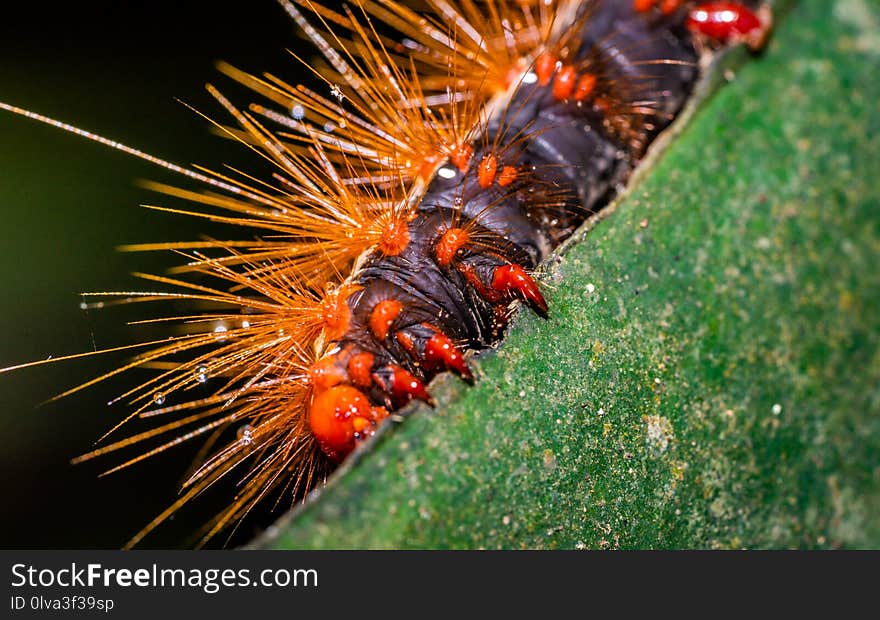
[395, 238]
[486, 171]
[360, 368]
[406, 341]
[545, 67]
[325, 374]
[667, 7]
[340, 417]
[563, 86]
[429, 162]
[643, 6]
[383, 315]
[585, 86]
[507, 176]
[461, 156]
[449, 244]
[335, 314]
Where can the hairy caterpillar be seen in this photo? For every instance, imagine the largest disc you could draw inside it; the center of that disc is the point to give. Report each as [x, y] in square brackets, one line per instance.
[439, 211]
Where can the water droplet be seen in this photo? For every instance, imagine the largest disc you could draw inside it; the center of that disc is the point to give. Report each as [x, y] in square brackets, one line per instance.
[83, 305]
[530, 78]
[590, 288]
[159, 398]
[220, 331]
[776, 409]
[245, 324]
[246, 435]
[298, 112]
[446, 173]
[201, 373]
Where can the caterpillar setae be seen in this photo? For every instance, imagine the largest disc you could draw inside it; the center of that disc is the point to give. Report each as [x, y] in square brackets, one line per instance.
[452, 146]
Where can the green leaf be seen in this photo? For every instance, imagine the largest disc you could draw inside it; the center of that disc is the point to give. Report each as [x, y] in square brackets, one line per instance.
[709, 373]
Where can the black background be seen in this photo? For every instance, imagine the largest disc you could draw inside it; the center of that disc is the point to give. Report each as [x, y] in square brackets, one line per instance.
[114, 68]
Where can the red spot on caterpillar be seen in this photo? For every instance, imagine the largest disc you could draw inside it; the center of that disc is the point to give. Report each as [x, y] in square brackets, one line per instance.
[668, 7]
[360, 368]
[585, 86]
[545, 67]
[406, 342]
[507, 176]
[486, 171]
[340, 417]
[440, 350]
[402, 385]
[383, 315]
[514, 279]
[394, 238]
[508, 281]
[563, 86]
[449, 244]
[723, 21]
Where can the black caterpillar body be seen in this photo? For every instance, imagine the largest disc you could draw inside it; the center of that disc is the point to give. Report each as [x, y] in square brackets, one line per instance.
[573, 152]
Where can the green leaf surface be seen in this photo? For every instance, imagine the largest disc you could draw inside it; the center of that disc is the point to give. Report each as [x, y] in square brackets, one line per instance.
[709, 373]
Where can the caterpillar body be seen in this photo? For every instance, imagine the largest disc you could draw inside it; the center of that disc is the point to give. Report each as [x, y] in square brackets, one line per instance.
[456, 146]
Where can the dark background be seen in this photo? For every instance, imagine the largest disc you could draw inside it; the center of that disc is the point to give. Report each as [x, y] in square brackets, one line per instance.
[115, 69]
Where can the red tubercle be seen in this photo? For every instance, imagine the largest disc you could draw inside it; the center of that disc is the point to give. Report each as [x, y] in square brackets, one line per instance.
[395, 238]
[508, 281]
[449, 244]
[383, 316]
[360, 369]
[507, 176]
[724, 21]
[439, 349]
[406, 341]
[340, 417]
[461, 157]
[586, 84]
[545, 67]
[486, 171]
[402, 385]
[603, 104]
[428, 164]
[668, 7]
[325, 374]
[335, 313]
[514, 279]
[563, 85]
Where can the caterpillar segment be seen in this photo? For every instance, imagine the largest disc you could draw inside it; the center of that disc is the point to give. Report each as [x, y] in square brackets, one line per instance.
[410, 205]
